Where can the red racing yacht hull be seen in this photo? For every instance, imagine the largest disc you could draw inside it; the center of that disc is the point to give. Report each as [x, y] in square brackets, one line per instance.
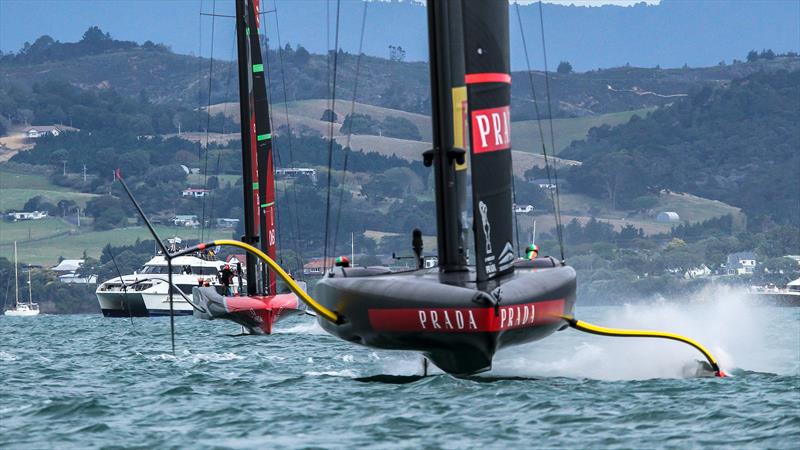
[256, 313]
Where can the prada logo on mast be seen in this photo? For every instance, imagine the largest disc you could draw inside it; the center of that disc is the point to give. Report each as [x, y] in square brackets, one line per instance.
[491, 129]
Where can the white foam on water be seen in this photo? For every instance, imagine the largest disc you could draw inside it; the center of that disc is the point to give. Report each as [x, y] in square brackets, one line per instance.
[186, 355]
[346, 358]
[344, 373]
[6, 356]
[737, 332]
[310, 327]
[213, 357]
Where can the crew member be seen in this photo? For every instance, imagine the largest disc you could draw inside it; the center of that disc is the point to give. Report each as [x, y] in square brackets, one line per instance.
[532, 252]
[226, 278]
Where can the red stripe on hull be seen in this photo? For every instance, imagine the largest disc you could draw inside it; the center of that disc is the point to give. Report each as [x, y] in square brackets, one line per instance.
[262, 310]
[466, 320]
[475, 78]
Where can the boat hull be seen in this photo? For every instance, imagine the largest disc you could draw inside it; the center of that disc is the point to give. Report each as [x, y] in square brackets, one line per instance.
[21, 312]
[255, 313]
[137, 304]
[445, 316]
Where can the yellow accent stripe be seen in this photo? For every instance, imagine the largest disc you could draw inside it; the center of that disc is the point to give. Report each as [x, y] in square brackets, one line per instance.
[319, 309]
[595, 329]
[460, 124]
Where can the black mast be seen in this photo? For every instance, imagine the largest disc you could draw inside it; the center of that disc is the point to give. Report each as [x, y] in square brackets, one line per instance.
[487, 67]
[263, 133]
[250, 215]
[447, 80]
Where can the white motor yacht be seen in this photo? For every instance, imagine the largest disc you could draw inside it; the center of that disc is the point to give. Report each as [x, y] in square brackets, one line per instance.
[145, 292]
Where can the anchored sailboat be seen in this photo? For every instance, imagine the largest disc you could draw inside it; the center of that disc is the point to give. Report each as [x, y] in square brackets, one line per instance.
[22, 309]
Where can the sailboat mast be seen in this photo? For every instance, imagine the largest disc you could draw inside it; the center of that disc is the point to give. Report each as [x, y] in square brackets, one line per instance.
[263, 133]
[447, 97]
[249, 162]
[488, 79]
[30, 288]
[16, 278]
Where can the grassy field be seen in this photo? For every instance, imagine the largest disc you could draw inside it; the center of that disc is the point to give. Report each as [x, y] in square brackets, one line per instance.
[11, 178]
[52, 238]
[17, 186]
[525, 134]
[197, 179]
[16, 198]
[312, 110]
[690, 208]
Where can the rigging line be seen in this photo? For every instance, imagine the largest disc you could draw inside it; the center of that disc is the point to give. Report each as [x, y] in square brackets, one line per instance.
[228, 85]
[330, 139]
[328, 48]
[208, 120]
[539, 124]
[514, 199]
[552, 134]
[347, 148]
[297, 237]
[199, 75]
[275, 150]
[216, 174]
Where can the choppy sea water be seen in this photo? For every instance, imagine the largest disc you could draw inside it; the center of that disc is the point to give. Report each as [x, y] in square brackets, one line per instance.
[89, 382]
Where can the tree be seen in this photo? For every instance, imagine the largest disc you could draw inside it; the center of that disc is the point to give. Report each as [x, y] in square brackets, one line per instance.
[752, 56]
[564, 67]
[360, 124]
[301, 56]
[401, 128]
[94, 34]
[329, 116]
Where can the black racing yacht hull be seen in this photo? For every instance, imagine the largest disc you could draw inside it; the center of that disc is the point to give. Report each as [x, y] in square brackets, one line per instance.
[456, 325]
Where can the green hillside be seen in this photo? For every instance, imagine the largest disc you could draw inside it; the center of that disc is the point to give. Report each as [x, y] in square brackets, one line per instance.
[19, 185]
[525, 134]
[44, 241]
[737, 144]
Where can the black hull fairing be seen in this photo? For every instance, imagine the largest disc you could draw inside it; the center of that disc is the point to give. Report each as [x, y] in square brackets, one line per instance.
[444, 316]
[139, 313]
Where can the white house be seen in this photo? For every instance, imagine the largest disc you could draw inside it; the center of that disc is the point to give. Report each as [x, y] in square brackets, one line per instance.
[68, 265]
[186, 221]
[224, 222]
[701, 271]
[38, 131]
[543, 183]
[742, 263]
[74, 278]
[294, 172]
[23, 215]
[525, 209]
[195, 192]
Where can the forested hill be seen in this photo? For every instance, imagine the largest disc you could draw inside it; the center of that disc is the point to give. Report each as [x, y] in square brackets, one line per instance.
[99, 62]
[739, 144]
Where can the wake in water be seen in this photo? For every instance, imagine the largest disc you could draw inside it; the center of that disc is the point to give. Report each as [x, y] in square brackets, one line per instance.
[735, 331]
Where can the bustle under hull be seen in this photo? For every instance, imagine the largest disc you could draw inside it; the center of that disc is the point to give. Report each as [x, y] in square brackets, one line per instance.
[257, 313]
[444, 315]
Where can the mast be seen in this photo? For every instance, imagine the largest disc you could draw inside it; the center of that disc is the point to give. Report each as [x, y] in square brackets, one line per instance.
[16, 278]
[487, 66]
[249, 167]
[448, 155]
[30, 288]
[263, 132]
